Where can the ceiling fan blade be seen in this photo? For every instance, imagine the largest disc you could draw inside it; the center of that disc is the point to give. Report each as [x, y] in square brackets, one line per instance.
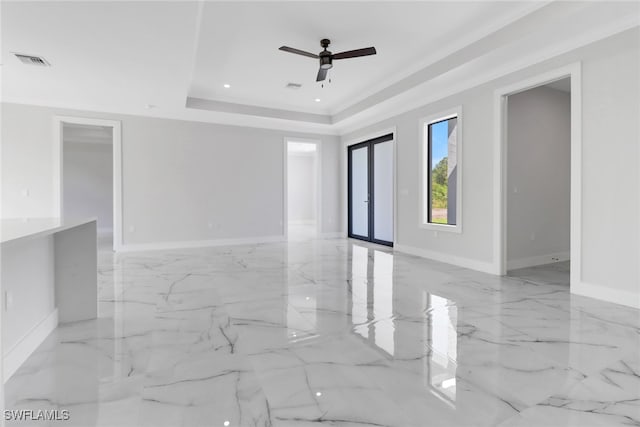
[355, 53]
[298, 52]
[322, 74]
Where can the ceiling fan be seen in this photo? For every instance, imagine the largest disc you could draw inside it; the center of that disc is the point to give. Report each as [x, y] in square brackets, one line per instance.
[326, 57]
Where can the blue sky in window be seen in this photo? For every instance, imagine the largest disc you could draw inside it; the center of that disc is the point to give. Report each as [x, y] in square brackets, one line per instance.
[439, 142]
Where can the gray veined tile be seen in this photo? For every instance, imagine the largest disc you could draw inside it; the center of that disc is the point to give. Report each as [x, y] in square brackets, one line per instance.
[611, 397]
[333, 332]
[207, 389]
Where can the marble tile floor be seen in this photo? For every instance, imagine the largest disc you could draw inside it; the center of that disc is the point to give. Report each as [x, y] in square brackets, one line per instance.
[332, 332]
[555, 273]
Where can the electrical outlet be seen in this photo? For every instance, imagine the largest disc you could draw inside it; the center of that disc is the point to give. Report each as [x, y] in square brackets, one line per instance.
[532, 236]
[25, 192]
[132, 229]
[210, 225]
[8, 300]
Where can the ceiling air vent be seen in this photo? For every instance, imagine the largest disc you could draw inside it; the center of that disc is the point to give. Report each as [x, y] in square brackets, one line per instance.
[32, 60]
[293, 86]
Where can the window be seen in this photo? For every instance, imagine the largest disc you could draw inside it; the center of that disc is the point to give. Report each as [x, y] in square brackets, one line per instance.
[441, 172]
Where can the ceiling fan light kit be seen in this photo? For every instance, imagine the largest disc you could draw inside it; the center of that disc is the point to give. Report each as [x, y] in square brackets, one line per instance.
[326, 58]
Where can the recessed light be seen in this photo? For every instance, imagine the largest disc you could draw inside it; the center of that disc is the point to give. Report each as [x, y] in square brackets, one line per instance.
[317, 99]
[318, 394]
[226, 85]
[149, 106]
[226, 423]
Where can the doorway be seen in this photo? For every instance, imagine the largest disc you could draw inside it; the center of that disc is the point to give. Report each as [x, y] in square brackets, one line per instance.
[370, 184]
[87, 175]
[302, 201]
[538, 183]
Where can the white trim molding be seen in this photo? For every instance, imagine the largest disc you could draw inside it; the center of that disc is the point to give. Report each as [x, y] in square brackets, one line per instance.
[424, 189]
[500, 165]
[483, 266]
[606, 293]
[20, 352]
[58, 122]
[334, 235]
[191, 244]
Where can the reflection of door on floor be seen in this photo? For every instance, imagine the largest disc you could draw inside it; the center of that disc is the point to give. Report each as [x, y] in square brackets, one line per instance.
[370, 187]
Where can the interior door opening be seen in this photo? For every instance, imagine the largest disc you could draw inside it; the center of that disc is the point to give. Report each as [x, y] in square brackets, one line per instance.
[538, 183]
[370, 186]
[302, 190]
[87, 176]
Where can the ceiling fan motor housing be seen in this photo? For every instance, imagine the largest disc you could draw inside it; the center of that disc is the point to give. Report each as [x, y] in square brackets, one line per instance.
[325, 60]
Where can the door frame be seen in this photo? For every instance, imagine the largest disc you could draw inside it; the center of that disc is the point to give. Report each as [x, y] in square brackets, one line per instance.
[58, 157]
[285, 183]
[370, 141]
[500, 166]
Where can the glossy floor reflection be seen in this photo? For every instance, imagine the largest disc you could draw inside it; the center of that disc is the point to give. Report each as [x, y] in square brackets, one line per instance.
[332, 332]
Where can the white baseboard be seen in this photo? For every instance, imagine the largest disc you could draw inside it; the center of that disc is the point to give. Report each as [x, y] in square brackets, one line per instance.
[20, 352]
[333, 235]
[604, 293]
[515, 264]
[302, 222]
[485, 267]
[139, 247]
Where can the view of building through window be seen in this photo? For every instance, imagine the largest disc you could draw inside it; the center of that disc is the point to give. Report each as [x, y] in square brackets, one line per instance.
[442, 164]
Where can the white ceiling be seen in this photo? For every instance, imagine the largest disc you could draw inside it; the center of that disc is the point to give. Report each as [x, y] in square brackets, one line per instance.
[102, 54]
[156, 57]
[238, 44]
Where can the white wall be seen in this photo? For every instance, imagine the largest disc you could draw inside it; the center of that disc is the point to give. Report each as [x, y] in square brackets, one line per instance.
[31, 289]
[88, 181]
[610, 110]
[182, 181]
[538, 177]
[301, 198]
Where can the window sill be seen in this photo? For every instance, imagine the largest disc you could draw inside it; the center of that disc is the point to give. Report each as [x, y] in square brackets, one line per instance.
[442, 227]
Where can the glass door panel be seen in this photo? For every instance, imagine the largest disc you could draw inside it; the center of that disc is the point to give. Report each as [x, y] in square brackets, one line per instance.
[359, 193]
[383, 191]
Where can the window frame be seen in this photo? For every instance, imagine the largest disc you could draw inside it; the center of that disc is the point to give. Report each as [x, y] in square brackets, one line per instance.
[425, 181]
